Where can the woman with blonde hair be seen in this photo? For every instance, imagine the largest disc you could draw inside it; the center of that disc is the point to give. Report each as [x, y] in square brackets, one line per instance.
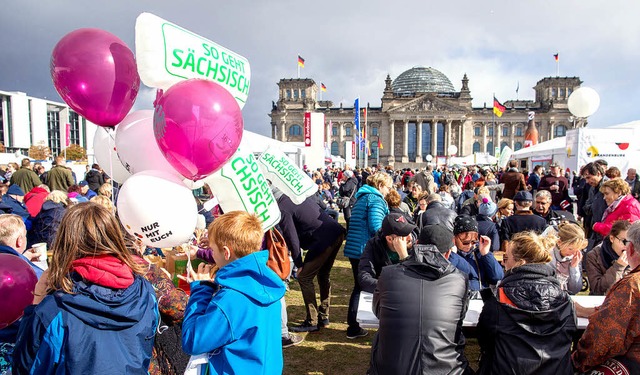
[366, 219]
[529, 326]
[566, 257]
[621, 205]
[92, 312]
[104, 201]
[105, 190]
[505, 208]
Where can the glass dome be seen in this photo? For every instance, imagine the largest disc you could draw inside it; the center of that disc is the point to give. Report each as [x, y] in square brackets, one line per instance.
[421, 79]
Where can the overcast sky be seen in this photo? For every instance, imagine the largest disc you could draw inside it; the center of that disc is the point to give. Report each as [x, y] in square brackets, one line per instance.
[351, 46]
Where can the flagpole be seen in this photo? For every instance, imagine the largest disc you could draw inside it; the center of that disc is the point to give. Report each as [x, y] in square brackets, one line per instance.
[493, 126]
[557, 56]
[378, 151]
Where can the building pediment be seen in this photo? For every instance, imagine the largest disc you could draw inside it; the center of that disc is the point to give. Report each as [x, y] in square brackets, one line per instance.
[426, 104]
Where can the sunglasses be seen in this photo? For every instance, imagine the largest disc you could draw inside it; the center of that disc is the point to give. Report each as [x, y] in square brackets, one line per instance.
[467, 243]
[623, 240]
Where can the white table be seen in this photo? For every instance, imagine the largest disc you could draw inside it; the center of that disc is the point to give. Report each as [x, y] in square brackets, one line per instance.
[367, 318]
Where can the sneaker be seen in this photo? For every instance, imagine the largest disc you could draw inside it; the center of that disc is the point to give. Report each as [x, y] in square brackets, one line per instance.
[306, 326]
[292, 340]
[323, 323]
[354, 335]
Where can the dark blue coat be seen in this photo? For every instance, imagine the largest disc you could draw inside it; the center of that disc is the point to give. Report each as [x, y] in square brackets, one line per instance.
[45, 225]
[97, 330]
[485, 268]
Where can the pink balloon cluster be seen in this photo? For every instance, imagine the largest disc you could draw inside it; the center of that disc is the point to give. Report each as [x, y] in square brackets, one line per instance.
[198, 126]
[17, 282]
[95, 73]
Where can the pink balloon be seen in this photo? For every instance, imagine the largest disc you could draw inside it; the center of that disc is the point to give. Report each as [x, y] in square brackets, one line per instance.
[95, 73]
[198, 126]
[17, 282]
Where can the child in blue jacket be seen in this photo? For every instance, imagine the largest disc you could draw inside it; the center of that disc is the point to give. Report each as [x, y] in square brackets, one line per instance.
[235, 318]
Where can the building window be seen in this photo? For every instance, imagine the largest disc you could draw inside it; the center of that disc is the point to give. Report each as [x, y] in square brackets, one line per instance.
[296, 94]
[490, 131]
[295, 130]
[560, 131]
[562, 93]
[505, 131]
[554, 92]
[374, 149]
[334, 148]
[503, 145]
[477, 131]
[569, 91]
[53, 131]
[303, 94]
[476, 147]
[517, 146]
[347, 130]
[490, 148]
[334, 130]
[426, 140]
[74, 128]
[413, 134]
[374, 131]
[289, 94]
[518, 131]
[440, 140]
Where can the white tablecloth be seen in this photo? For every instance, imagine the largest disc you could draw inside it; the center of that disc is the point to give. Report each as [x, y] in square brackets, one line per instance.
[367, 319]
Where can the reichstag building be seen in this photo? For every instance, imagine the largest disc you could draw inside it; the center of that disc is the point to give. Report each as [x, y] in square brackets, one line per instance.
[422, 114]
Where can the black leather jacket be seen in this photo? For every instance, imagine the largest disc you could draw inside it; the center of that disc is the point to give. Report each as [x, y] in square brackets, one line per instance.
[437, 213]
[421, 303]
[535, 335]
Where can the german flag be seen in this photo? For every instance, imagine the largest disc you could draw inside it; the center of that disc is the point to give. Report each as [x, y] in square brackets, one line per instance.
[498, 109]
[300, 61]
[323, 87]
[380, 144]
[556, 56]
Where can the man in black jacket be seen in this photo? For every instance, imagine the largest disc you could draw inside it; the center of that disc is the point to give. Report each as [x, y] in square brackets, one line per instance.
[390, 245]
[437, 214]
[421, 303]
[307, 226]
[523, 218]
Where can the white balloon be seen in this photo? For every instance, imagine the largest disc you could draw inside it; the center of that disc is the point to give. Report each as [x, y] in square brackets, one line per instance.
[157, 208]
[104, 150]
[137, 146]
[583, 102]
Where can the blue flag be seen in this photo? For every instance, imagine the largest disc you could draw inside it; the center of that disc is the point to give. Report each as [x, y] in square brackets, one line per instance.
[356, 119]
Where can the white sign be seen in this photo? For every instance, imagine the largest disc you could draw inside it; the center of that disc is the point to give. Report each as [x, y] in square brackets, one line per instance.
[241, 186]
[286, 175]
[167, 54]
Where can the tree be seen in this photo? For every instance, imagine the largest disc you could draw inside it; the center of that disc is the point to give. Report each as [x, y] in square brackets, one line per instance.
[75, 152]
[39, 152]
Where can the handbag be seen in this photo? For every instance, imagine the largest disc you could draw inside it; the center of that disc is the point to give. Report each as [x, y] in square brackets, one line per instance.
[345, 202]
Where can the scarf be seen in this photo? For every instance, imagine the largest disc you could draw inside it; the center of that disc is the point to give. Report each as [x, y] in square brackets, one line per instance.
[104, 270]
[608, 254]
[612, 207]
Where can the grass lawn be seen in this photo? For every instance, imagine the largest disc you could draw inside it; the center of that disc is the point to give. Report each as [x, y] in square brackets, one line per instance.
[329, 351]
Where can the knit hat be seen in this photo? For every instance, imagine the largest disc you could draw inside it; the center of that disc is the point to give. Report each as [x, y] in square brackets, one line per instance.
[396, 224]
[465, 223]
[15, 190]
[437, 235]
[487, 207]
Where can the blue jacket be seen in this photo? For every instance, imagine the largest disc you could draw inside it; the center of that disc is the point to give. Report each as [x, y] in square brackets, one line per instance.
[366, 219]
[486, 269]
[10, 333]
[17, 208]
[236, 318]
[97, 330]
[45, 224]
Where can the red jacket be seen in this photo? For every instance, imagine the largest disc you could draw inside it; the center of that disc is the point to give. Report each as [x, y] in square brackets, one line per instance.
[628, 209]
[34, 199]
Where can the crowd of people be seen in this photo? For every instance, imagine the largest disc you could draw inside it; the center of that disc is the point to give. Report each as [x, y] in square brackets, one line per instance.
[425, 242]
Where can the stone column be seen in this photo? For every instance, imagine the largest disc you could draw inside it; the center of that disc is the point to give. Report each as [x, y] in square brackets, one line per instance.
[462, 128]
[498, 136]
[484, 138]
[552, 130]
[448, 138]
[391, 140]
[512, 136]
[340, 134]
[405, 142]
[283, 133]
[419, 141]
[434, 139]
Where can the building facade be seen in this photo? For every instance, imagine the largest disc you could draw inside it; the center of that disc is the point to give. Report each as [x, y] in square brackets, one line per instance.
[26, 121]
[421, 116]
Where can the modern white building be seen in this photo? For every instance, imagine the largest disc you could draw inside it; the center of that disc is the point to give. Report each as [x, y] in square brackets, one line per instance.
[26, 121]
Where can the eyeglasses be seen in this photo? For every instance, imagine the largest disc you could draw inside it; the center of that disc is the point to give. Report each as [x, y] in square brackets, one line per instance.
[623, 240]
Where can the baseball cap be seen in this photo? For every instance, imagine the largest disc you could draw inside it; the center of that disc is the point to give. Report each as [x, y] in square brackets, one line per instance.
[554, 164]
[523, 196]
[15, 190]
[83, 183]
[437, 235]
[396, 224]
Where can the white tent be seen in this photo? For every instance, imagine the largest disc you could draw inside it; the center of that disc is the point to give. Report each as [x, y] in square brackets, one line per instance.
[479, 158]
[548, 150]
